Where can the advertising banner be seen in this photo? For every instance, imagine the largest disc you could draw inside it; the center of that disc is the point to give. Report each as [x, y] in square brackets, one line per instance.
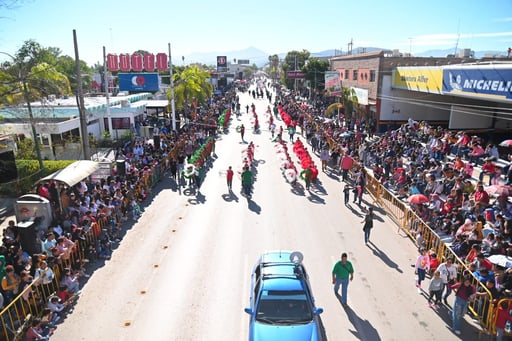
[124, 62]
[295, 75]
[333, 83]
[423, 79]
[138, 82]
[478, 81]
[222, 63]
[112, 62]
[149, 61]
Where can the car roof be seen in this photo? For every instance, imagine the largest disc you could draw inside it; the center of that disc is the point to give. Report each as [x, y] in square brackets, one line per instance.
[279, 272]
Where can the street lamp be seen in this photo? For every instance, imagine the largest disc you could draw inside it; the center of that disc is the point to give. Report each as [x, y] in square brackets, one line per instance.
[22, 78]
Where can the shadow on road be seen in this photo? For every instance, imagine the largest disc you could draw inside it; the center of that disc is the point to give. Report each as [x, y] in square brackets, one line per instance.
[356, 212]
[199, 199]
[253, 206]
[363, 328]
[377, 252]
[312, 197]
[297, 189]
[231, 196]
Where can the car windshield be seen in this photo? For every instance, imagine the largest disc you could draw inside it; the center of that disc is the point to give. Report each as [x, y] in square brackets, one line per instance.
[283, 307]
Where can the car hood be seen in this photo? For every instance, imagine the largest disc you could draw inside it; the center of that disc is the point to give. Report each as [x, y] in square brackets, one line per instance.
[297, 332]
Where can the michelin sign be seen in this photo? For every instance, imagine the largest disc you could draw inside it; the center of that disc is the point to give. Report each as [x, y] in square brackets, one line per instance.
[484, 81]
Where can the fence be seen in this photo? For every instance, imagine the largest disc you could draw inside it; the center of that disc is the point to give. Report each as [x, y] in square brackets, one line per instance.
[15, 317]
[409, 222]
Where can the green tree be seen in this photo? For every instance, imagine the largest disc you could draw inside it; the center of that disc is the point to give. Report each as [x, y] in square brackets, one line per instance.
[294, 60]
[315, 73]
[30, 67]
[67, 66]
[191, 85]
[26, 149]
[349, 101]
[273, 68]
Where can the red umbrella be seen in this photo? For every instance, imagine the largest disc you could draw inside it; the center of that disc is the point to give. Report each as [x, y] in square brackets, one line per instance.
[499, 190]
[506, 143]
[417, 199]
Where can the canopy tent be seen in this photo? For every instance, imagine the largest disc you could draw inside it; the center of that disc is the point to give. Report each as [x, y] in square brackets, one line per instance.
[74, 173]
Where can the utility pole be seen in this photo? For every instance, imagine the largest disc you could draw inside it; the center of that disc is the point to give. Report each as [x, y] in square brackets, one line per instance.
[81, 104]
[173, 105]
[107, 95]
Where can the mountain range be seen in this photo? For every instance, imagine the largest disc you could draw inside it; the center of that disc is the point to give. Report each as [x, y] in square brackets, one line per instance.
[260, 57]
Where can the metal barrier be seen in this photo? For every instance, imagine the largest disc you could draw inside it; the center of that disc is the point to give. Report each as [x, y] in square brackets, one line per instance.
[408, 221]
[15, 316]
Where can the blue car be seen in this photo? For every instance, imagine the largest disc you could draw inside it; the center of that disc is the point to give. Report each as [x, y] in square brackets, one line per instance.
[282, 305]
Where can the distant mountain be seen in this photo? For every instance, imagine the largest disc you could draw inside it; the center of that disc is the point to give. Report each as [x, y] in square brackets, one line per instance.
[255, 56]
[260, 57]
[445, 52]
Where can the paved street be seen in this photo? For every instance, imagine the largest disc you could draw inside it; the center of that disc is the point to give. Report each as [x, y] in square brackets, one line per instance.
[182, 272]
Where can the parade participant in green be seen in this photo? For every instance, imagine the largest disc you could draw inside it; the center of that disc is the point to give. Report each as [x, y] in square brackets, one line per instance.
[247, 181]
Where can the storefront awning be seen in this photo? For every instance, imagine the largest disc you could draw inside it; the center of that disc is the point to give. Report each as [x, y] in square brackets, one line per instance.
[74, 173]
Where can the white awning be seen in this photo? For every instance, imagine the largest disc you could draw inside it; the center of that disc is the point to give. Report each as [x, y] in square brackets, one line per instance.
[74, 173]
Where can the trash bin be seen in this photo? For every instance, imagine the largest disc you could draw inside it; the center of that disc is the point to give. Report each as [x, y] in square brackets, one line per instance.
[27, 231]
[121, 167]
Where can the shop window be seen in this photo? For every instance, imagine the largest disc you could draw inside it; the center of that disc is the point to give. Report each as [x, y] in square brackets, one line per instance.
[372, 75]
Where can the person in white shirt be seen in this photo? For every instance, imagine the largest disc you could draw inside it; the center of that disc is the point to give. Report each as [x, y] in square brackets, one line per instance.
[448, 274]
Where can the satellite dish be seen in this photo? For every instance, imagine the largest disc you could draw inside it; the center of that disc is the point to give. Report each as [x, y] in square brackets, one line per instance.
[296, 257]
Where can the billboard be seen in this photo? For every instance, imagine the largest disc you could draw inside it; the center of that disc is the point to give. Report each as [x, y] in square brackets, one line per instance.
[333, 83]
[137, 62]
[138, 82]
[478, 81]
[243, 61]
[295, 75]
[222, 63]
[423, 79]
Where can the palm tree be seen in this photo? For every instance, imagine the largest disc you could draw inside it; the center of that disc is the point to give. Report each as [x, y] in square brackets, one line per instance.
[28, 77]
[191, 85]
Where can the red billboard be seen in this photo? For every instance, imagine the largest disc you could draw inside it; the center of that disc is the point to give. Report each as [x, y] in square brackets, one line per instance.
[124, 62]
[112, 62]
[149, 62]
[137, 62]
[161, 62]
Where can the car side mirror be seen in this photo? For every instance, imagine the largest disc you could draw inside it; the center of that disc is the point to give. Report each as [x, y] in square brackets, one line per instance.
[248, 311]
[318, 311]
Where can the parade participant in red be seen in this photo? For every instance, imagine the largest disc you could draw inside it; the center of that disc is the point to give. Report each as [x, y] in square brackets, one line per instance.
[229, 177]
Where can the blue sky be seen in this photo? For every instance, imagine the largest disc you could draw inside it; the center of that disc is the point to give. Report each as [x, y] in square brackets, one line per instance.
[273, 26]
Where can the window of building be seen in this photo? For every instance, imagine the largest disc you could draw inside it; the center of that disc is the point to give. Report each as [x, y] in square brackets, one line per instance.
[354, 75]
[347, 74]
[372, 75]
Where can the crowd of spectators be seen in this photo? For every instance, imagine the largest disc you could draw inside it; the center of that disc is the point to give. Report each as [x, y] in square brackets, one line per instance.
[100, 209]
[462, 178]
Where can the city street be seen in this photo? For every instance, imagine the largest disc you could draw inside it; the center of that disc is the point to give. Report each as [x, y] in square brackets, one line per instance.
[182, 272]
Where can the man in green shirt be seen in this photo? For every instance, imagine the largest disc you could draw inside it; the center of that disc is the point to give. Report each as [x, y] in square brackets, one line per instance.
[342, 274]
[247, 181]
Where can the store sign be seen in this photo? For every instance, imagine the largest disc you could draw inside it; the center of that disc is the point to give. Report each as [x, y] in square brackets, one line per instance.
[478, 81]
[222, 63]
[138, 82]
[295, 75]
[137, 62]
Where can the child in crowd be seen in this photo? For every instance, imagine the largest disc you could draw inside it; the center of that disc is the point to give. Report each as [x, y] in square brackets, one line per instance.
[346, 193]
[435, 289]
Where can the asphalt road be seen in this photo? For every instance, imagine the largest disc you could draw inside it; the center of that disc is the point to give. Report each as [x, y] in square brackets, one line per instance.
[182, 272]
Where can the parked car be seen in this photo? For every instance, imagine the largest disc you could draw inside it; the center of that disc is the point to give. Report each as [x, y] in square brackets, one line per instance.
[282, 306]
